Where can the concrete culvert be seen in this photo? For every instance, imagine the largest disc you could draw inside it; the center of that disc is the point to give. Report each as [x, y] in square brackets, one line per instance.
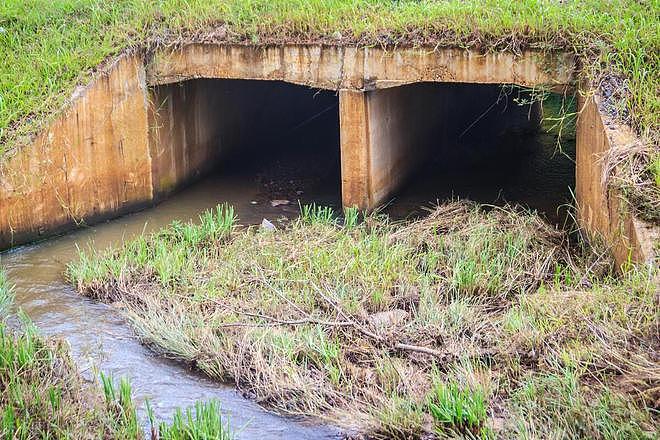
[145, 127]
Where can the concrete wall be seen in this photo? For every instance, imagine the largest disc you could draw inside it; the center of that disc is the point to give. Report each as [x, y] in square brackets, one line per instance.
[90, 163]
[184, 125]
[601, 210]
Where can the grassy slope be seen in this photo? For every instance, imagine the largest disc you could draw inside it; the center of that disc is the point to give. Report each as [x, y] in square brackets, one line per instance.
[464, 321]
[50, 45]
[42, 395]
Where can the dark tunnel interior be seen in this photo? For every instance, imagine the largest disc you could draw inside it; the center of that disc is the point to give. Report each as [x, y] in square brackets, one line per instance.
[489, 143]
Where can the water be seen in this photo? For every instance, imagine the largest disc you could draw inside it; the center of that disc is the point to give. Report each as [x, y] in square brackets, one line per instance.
[100, 338]
[532, 171]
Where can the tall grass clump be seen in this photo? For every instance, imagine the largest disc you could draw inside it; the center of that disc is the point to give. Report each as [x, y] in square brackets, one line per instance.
[457, 409]
[6, 293]
[321, 215]
[406, 330]
[119, 402]
[202, 423]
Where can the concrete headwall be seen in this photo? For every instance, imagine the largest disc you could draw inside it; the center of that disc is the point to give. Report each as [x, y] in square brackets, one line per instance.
[365, 68]
[91, 162]
[141, 129]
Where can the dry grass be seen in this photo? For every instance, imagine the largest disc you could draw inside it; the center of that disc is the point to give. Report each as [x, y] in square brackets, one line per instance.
[635, 171]
[467, 322]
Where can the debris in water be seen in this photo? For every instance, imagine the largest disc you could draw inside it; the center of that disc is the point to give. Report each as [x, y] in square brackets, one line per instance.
[253, 202]
[265, 224]
[279, 202]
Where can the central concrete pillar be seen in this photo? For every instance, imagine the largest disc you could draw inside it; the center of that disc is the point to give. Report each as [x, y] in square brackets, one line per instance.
[384, 136]
[354, 149]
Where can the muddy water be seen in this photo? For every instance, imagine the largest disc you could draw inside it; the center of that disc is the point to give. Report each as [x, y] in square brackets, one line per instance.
[100, 338]
[534, 171]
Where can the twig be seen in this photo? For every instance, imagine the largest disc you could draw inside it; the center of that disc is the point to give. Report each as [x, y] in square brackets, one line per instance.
[273, 320]
[420, 349]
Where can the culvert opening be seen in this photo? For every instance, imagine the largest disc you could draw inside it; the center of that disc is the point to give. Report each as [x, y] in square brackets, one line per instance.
[493, 144]
[263, 142]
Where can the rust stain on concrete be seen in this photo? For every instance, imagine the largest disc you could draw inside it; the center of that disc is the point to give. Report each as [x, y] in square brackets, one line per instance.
[91, 162]
[334, 68]
[602, 210]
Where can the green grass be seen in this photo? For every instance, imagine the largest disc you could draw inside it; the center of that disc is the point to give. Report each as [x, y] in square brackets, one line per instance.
[432, 327]
[43, 396]
[555, 405]
[6, 293]
[49, 46]
[463, 410]
[204, 423]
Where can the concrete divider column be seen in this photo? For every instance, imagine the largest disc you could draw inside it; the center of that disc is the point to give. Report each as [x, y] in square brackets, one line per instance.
[354, 149]
[384, 135]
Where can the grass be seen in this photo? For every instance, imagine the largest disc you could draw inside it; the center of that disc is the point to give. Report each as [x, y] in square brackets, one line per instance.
[43, 396]
[454, 324]
[6, 293]
[556, 405]
[205, 423]
[51, 46]
[635, 171]
[462, 409]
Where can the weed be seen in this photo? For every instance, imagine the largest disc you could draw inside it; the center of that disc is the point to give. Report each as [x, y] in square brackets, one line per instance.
[206, 423]
[314, 214]
[458, 409]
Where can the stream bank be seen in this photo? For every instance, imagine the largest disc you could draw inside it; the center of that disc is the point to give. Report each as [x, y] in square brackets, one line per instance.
[469, 321]
[99, 336]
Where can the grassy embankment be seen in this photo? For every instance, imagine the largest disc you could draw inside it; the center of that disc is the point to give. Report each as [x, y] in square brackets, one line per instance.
[43, 396]
[466, 322]
[49, 46]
